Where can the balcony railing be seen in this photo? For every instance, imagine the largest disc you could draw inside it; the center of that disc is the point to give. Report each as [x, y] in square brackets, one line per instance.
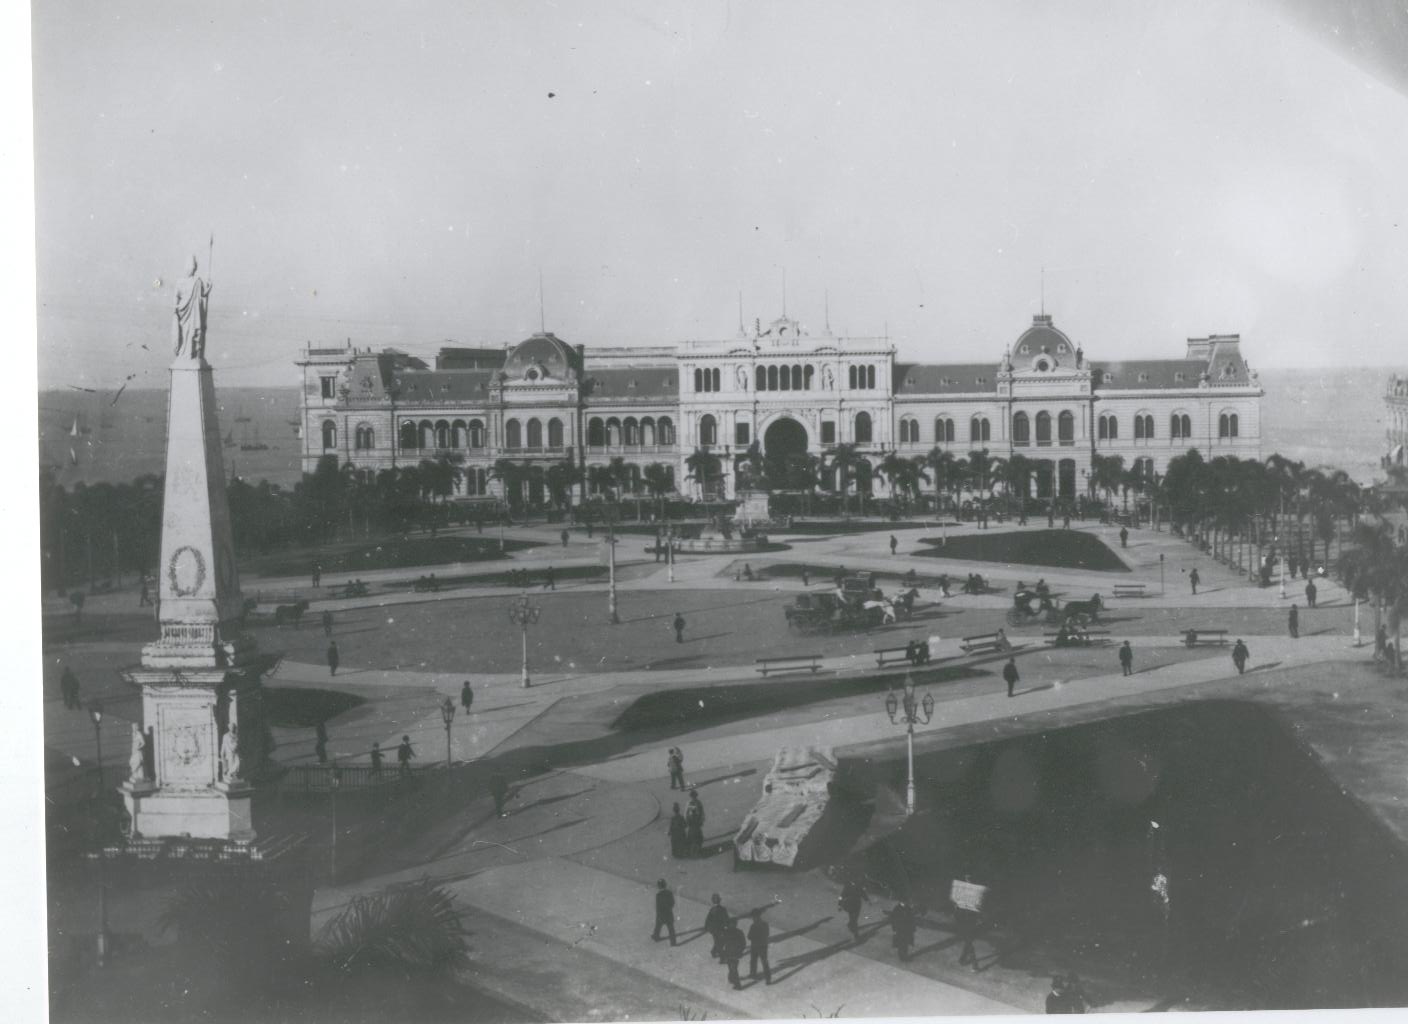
[598, 449]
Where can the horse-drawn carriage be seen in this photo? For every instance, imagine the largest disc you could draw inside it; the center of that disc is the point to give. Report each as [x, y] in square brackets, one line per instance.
[1029, 606]
[855, 604]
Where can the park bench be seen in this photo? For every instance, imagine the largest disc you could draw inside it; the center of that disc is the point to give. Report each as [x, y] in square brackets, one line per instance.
[354, 590]
[1086, 637]
[1131, 590]
[1192, 637]
[984, 643]
[794, 663]
[426, 583]
[894, 655]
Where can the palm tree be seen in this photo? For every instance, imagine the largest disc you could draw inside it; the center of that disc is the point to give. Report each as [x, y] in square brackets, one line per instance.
[1106, 472]
[1017, 475]
[511, 475]
[659, 481]
[902, 474]
[1377, 569]
[703, 466]
[845, 459]
[561, 477]
[980, 471]
[749, 469]
[946, 471]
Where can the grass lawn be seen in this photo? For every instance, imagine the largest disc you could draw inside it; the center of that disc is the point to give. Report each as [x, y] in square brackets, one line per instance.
[388, 553]
[1058, 549]
[297, 708]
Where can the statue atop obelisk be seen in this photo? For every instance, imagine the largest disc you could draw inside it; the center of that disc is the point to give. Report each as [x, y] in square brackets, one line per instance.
[199, 679]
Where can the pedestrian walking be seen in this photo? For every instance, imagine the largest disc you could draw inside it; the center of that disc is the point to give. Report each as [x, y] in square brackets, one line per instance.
[1066, 521]
[1009, 673]
[551, 582]
[664, 912]
[498, 789]
[1056, 1001]
[894, 544]
[1240, 654]
[466, 696]
[564, 538]
[902, 925]
[376, 758]
[679, 843]
[1310, 594]
[694, 822]
[1380, 641]
[1075, 995]
[1124, 536]
[317, 574]
[967, 923]
[404, 753]
[852, 896]
[1293, 622]
[715, 921]
[327, 624]
[679, 628]
[732, 943]
[320, 742]
[1193, 580]
[676, 766]
[806, 580]
[1127, 659]
[332, 658]
[759, 935]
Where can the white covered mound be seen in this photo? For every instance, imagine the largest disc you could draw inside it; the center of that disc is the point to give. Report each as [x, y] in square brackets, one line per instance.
[795, 795]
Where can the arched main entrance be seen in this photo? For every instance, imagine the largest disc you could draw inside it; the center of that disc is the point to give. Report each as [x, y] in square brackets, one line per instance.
[785, 437]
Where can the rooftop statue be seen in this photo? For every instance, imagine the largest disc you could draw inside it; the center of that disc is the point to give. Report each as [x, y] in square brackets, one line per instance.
[192, 295]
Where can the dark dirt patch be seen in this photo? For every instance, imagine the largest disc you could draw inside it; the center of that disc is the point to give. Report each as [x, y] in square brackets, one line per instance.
[1058, 549]
[297, 708]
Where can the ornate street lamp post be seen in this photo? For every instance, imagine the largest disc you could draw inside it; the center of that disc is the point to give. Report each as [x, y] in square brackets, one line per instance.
[95, 712]
[522, 613]
[909, 714]
[447, 712]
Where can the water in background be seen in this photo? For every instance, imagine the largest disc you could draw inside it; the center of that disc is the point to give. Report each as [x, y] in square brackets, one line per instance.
[1320, 417]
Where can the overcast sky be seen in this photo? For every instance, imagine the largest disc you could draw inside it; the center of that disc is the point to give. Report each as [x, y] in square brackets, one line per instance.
[400, 174]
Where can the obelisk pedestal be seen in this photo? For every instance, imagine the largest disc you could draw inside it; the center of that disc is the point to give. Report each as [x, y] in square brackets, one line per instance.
[200, 678]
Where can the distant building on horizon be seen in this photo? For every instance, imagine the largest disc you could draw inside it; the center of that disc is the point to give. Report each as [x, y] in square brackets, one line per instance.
[793, 392]
[1396, 410]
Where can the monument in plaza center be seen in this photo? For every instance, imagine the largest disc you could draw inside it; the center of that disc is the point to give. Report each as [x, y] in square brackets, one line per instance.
[205, 739]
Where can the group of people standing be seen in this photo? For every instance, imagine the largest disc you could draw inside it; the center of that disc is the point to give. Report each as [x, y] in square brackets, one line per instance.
[686, 829]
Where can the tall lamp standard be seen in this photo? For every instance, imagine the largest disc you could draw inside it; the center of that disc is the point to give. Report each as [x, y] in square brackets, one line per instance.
[447, 712]
[95, 712]
[909, 715]
[522, 613]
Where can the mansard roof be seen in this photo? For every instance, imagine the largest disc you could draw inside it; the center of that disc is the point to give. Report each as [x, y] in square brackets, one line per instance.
[953, 378]
[631, 384]
[1224, 368]
[435, 387]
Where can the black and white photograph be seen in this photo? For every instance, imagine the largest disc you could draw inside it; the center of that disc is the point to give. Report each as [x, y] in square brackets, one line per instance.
[678, 511]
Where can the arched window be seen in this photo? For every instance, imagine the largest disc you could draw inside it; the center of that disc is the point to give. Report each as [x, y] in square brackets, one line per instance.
[714, 379]
[709, 429]
[943, 430]
[807, 376]
[535, 433]
[698, 379]
[772, 378]
[613, 432]
[647, 431]
[596, 432]
[1232, 425]
[851, 374]
[1138, 427]
[1149, 427]
[476, 433]
[909, 431]
[630, 430]
[1021, 429]
[979, 429]
[364, 438]
[459, 434]
[1043, 427]
[784, 379]
[442, 434]
[554, 433]
[427, 434]
[762, 382]
[1180, 425]
[329, 434]
[870, 377]
[665, 430]
[796, 377]
[1066, 427]
[1109, 427]
[513, 434]
[863, 428]
[408, 435]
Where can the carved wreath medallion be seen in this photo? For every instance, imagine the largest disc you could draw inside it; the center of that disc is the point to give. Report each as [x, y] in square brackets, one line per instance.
[186, 571]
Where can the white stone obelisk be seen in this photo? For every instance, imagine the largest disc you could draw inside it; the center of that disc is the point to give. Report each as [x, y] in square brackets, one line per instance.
[200, 679]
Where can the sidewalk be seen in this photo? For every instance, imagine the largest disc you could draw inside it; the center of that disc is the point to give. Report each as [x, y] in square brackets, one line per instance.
[611, 917]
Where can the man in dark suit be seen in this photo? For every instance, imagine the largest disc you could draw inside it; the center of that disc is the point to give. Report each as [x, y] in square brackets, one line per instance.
[715, 923]
[664, 911]
[759, 934]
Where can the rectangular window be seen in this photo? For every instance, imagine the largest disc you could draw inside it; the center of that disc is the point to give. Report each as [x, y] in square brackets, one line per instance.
[329, 387]
[740, 434]
[828, 432]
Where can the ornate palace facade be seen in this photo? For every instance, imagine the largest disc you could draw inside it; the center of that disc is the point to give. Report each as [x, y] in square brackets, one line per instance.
[791, 391]
[1396, 414]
